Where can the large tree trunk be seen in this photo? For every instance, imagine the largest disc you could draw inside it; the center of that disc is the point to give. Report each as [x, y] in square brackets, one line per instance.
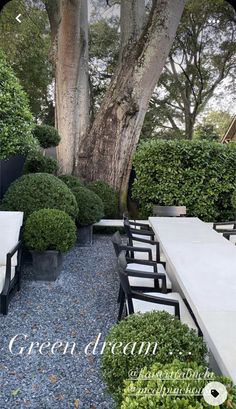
[108, 149]
[69, 27]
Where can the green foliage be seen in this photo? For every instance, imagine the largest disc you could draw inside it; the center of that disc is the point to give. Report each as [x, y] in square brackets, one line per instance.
[46, 135]
[27, 47]
[220, 121]
[49, 229]
[36, 162]
[154, 327]
[71, 181]
[177, 378]
[38, 191]
[202, 56]
[91, 208]
[109, 197]
[199, 175]
[207, 132]
[15, 118]
[233, 200]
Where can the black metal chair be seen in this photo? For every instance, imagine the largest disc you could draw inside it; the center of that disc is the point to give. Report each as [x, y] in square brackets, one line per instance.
[137, 225]
[169, 211]
[144, 275]
[141, 302]
[229, 234]
[222, 227]
[139, 237]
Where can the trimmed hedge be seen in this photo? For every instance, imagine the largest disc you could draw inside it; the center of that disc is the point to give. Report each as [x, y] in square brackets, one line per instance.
[91, 208]
[109, 197]
[36, 162]
[16, 120]
[46, 135]
[71, 181]
[164, 386]
[233, 200]
[197, 174]
[154, 327]
[49, 229]
[37, 191]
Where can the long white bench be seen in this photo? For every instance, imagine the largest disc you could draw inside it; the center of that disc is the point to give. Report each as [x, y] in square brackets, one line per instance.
[115, 222]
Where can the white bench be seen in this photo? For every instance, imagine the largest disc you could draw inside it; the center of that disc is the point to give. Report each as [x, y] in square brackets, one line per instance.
[10, 226]
[115, 222]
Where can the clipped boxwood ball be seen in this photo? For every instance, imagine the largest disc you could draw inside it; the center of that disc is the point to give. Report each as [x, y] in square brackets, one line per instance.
[109, 197]
[36, 162]
[46, 135]
[50, 229]
[91, 208]
[180, 379]
[38, 191]
[71, 181]
[173, 340]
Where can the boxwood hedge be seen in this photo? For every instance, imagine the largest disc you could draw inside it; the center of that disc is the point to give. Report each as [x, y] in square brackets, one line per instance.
[197, 174]
[37, 191]
[177, 385]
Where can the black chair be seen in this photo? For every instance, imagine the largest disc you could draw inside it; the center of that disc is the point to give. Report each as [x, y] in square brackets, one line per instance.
[137, 225]
[144, 275]
[222, 227]
[141, 302]
[169, 211]
[140, 237]
[229, 234]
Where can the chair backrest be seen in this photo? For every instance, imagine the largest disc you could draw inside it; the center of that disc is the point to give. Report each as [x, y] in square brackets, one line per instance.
[117, 242]
[10, 225]
[124, 281]
[169, 211]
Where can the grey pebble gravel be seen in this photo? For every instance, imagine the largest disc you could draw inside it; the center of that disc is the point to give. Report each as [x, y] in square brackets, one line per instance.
[76, 308]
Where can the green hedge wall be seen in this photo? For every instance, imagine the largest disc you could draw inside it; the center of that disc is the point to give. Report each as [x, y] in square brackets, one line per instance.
[197, 174]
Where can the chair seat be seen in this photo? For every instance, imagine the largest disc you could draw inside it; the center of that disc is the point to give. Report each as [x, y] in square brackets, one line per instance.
[144, 306]
[3, 275]
[147, 282]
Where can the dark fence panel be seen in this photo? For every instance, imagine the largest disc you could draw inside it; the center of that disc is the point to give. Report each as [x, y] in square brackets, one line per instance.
[10, 170]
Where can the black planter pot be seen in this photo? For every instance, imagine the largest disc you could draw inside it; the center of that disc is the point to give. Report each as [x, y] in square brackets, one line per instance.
[10, 170]
[85, 235]
[46, 265]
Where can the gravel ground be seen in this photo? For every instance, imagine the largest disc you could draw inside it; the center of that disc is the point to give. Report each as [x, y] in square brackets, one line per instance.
[76, 308]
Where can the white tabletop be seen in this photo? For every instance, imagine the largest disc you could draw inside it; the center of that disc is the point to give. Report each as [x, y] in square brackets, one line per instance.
[204, 266]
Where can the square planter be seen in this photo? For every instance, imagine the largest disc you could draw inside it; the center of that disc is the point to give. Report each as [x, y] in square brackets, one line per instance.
[46, 264]
[85, 235]
[10, 170]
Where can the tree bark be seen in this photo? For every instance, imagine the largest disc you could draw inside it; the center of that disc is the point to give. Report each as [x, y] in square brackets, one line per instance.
[109, 147]
[69, 28]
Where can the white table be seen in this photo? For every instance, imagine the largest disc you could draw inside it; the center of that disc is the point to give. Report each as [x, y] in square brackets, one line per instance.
[202, 266]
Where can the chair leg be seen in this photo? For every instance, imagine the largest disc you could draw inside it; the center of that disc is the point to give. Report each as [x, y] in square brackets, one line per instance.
[4, 304]
[122, 302]
[19, 281]
[118, 298]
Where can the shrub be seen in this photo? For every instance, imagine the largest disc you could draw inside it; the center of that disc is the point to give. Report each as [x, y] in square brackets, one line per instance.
[49, 229]
[154, 327]
[16, 121]
[37, 191]
[109, 197]
[167, 377]
[199, 175]
[36, 162]
[46, 135]
[71, 181]
[91, 208]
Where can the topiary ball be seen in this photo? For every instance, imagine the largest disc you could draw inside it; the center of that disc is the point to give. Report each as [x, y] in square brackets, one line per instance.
[71, 181]
[38, 191]
[36, 162]
[172, 338]
[46, 135]
[109, 197]
[91, 208]
[173, 386]
[49, 229]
